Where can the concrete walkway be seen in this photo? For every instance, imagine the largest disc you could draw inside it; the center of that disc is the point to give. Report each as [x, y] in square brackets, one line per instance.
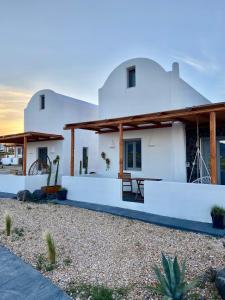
[174, 223]
[185, 225]
[19, 281]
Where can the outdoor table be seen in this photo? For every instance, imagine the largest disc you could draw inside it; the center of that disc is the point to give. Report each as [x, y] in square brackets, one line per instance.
[140, 182]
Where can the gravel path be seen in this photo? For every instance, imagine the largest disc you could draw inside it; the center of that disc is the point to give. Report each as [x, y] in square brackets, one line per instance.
[105, 249]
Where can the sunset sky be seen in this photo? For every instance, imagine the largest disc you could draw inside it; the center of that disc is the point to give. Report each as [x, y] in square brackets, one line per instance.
[71, 46]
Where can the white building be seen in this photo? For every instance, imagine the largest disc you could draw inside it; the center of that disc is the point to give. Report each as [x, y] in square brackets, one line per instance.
[147, 124]
[44, 118]
[48, 112]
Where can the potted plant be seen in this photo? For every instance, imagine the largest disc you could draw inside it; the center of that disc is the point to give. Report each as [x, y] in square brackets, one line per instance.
[61, 194]
[217, 214]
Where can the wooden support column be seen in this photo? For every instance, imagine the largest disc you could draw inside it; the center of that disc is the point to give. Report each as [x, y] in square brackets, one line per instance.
[213, 163]
[72, 147]
[121, 151]
[25, 156]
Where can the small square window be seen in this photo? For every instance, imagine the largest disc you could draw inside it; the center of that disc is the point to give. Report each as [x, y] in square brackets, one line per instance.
[42, 102]
[131, 77]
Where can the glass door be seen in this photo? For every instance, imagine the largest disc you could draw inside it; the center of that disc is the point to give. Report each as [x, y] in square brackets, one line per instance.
[205, 151]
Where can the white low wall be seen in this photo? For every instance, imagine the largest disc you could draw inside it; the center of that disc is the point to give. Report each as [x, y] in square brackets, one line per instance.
[35, 182]
[107, 191]
[13, 183]
[179, 200]
[183, 200]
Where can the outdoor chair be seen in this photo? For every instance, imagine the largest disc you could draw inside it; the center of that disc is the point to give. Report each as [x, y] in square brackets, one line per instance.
[127, 181]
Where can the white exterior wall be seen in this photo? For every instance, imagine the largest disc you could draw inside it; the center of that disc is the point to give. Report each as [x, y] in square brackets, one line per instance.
[163, 153]
[172, 199]
[13, 183]
[156, 90]
[183, 200]
[107, 191]
[60, 110]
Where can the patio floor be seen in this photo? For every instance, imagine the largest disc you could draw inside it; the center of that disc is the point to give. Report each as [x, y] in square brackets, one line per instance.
[180, 224]
[131, 197]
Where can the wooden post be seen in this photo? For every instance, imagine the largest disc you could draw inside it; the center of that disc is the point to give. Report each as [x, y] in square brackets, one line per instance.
[121, 151]
[72, 146]
[25, 156]
[213, 163]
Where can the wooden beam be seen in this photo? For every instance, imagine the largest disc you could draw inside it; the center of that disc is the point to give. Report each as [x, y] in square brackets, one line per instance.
[137, 128]
[153, 117]
[25, 156]
[213, 163]
[72, 147]
[121, 151]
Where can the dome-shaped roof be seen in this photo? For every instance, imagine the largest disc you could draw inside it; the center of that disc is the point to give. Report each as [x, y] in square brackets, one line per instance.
[149, 63]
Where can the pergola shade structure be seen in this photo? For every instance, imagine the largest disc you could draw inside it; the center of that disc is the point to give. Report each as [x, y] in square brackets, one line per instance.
[21, 139]
[210, 114]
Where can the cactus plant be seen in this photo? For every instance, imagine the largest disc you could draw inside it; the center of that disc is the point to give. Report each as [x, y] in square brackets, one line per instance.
[49, 173]
[56, 162]
[171, 285]
[80, 171]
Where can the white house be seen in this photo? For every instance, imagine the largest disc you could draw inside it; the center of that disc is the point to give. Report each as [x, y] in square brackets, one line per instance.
[44, 138]
[48, 112]
[149, 122]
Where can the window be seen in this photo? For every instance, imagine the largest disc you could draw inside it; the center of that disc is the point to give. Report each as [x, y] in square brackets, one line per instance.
[132, 149]
[42, 102]
[131, 77]
[85, 157]
[42, 158]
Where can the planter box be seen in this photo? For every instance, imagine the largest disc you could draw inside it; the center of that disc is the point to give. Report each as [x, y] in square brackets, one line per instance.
[51, 189]
[218, 222]
[61, 195]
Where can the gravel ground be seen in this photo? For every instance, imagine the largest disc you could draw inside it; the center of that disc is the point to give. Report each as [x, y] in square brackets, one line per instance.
[105, 249]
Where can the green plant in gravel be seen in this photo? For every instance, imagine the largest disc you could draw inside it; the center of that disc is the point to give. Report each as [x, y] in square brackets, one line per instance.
[8, 224]
[51, 248]
[95, 292]
[42, 264]
[171, 284]
[67, 261]
[17, 233]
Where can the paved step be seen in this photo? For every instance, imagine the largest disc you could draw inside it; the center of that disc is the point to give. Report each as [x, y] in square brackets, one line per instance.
[19, 281]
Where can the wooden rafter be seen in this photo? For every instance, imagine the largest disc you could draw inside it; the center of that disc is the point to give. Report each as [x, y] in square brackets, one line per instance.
[186, 115]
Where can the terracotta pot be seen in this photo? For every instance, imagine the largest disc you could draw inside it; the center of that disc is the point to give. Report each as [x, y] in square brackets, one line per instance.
[51, 189]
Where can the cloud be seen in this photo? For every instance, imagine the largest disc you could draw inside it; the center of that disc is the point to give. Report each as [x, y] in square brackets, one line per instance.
[12, 104]
[201, 65]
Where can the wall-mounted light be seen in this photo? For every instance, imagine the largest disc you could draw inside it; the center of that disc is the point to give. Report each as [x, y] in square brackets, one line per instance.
[150, 142]
[52, 150]
[112, 145]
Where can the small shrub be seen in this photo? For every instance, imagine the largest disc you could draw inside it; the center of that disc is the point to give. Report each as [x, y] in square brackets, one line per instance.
[217, 211]
[67, 261]
[8, 225]
[171, 285]
[51, 248]
[17, 233]
[95, 292]
[42, 264]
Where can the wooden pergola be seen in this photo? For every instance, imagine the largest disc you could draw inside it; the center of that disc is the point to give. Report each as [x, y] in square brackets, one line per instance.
[21, 139]
[209, 114]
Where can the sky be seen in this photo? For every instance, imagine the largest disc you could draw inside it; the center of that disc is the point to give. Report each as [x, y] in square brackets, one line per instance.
[71, 46]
